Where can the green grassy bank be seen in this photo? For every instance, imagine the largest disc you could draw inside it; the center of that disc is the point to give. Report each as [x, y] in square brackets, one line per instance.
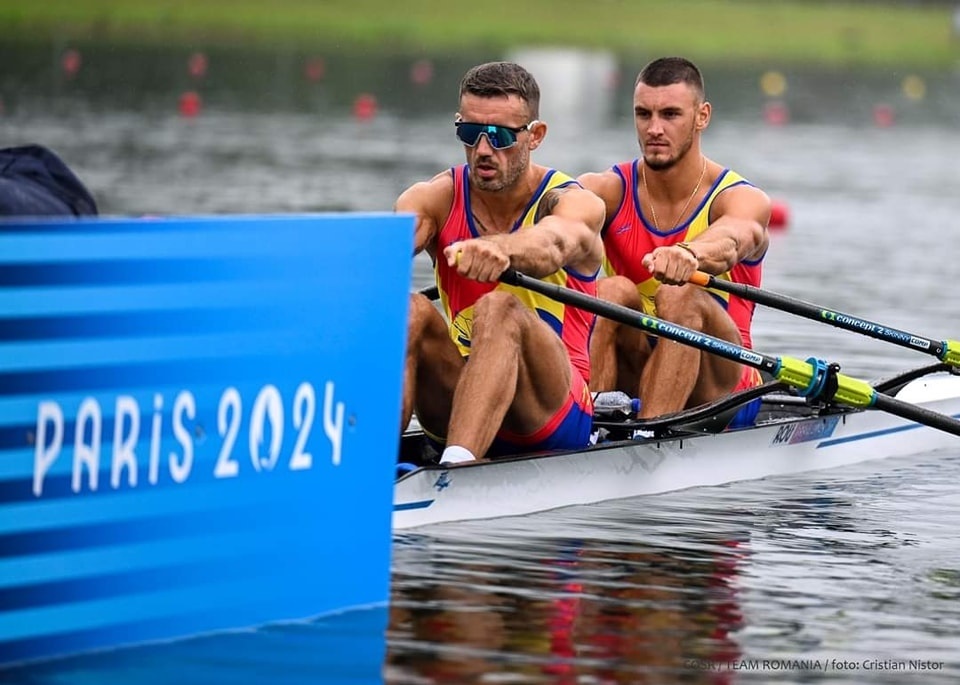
[816, 32]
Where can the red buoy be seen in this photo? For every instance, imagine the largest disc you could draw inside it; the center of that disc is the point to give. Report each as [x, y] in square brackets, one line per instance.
[776, 113]
[365, 107]
[883, 116]
[190, 104]
[71, 62]
[779, 215]
[421, 73]
[314, 69]
[197, 65]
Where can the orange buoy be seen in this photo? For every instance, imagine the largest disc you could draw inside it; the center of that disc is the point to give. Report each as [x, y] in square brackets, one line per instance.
[779, 215]
[190, 104]
[365, 107]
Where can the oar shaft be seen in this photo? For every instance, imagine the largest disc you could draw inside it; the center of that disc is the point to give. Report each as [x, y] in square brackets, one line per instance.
[946, 351]
[913, 412]
[799, 374]
[651, 324]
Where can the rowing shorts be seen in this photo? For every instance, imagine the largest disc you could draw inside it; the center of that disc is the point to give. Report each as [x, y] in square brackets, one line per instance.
[747, 415]
[568, 429]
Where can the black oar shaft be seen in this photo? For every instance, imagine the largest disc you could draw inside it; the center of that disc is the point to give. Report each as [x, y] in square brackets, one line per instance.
[913, 412]
[651, 324]
[838, 319]
[799, 374]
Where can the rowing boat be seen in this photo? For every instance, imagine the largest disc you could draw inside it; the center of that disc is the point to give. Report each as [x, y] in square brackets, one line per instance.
[812, 418]
[689, 449]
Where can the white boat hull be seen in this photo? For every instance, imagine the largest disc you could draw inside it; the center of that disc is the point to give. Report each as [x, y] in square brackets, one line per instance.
[525, 485]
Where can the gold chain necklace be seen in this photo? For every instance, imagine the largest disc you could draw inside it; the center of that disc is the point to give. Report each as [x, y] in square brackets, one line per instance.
[653, 210]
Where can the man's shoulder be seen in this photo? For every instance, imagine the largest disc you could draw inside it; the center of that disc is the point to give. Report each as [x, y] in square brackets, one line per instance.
[610, 178]
[428, 193]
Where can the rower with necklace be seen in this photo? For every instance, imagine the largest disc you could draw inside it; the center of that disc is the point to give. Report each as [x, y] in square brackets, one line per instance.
[718, 225]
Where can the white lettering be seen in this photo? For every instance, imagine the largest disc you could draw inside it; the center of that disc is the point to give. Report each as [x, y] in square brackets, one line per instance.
[48, 414]
[123, 445]
[155, 437]
[267, 417]
[89, 412]
[304, 408]
[333, 427]
[228, 425]
[183, 404]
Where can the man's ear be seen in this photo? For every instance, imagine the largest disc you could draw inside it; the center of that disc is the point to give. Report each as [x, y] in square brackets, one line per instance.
[703, 116]
[537, 133]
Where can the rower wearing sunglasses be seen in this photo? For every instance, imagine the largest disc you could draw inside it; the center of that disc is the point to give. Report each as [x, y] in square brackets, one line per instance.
[507, 370]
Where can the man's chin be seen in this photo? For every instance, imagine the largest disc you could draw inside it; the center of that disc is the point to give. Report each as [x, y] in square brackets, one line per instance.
[659, 163]
[490, 185]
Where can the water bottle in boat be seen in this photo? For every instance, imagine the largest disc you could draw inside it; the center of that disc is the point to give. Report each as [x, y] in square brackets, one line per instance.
[615, 404]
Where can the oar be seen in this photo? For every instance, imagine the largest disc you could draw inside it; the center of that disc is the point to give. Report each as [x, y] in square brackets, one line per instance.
[947, 351]
[809, 377]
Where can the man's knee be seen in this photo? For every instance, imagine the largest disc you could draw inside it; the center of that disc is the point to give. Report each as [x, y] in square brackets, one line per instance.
[497, 308]
[619, 290]
[683, 305]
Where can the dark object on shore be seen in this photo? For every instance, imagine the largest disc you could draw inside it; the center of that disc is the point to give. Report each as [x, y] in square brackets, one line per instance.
[35, 182]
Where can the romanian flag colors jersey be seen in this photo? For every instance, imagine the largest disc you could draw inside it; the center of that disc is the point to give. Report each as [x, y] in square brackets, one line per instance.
[629, 236]
[458, 294]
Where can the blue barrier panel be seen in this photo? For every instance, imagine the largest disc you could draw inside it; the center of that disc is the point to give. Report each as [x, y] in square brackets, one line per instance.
[198, 423]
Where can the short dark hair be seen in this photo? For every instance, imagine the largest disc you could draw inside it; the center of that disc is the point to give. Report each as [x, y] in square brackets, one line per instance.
[502, 78]
[669, 70]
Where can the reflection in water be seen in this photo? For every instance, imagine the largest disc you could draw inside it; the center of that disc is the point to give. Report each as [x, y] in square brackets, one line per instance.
[698, 586]
[563, 610]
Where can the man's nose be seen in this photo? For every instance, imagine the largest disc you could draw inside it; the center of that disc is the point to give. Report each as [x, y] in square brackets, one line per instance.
[484, 146]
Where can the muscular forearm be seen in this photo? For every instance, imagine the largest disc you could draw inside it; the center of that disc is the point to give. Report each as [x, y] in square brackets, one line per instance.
[538, 252]
[724, 245]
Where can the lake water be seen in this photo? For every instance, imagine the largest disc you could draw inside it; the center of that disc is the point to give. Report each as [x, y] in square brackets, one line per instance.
[849, 576]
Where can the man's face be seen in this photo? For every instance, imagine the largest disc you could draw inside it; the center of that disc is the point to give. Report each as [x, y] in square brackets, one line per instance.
[491, 169]
[667, 119]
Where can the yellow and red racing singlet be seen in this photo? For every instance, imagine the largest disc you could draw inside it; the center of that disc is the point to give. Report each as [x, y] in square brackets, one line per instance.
[458, 294]
[629, 236]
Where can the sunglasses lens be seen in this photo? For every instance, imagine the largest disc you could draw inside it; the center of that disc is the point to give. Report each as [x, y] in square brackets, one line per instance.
[498, 136]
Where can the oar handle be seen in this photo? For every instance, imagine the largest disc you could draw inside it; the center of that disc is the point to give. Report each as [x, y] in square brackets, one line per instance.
[947, 351]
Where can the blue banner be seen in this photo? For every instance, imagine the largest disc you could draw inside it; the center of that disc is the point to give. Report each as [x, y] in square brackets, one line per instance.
[198, 423]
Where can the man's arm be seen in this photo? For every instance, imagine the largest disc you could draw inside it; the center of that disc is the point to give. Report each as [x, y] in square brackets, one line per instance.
[609, 187]
[739, 232]
[429, 201]
[567, 234]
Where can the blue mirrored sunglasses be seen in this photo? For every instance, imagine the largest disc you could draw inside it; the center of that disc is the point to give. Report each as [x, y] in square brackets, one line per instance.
[500, 137]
